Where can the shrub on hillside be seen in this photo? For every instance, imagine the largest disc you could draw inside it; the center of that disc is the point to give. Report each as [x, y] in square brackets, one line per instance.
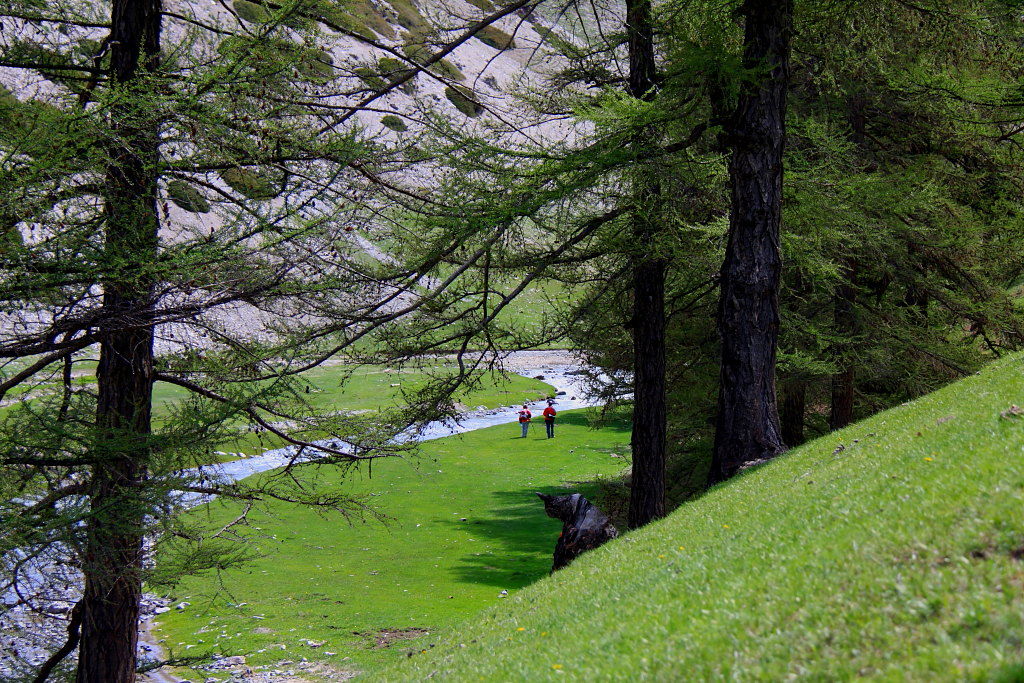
[446, 69]
[496, 38]
[370, 77]
[252, 12]
[409, 16]
[464, 100]
[394, 123]
[249, 183]
[362, 18]
[417, 48]
[187, 197]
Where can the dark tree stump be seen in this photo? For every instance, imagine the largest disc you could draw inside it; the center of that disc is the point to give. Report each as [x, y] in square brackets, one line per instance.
[584, 527]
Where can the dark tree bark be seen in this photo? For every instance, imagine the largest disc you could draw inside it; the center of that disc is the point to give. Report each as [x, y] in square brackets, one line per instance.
[841, 404]
[841, 410]
[113, 559]
[747, 427]
[647, 493]
[794, 407]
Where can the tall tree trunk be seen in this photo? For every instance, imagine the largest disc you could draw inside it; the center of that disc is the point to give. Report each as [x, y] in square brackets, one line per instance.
[841, 405]
[647, 494]
[841, 412]
[794, 407]
[747, 427]
[112, 564]
[841, 409]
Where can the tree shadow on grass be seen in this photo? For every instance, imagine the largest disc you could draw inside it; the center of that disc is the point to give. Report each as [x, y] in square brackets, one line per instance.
[521, 536]
[582, 418]
[521, 539]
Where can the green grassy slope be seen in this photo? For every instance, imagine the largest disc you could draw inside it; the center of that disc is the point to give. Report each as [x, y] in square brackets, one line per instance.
[891, 549]
[465, 525]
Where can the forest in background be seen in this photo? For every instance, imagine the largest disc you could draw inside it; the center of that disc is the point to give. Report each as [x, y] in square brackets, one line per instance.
[763, 220]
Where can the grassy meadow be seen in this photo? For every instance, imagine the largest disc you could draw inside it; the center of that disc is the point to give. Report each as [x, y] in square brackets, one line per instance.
[891, 550]
[345, 388]
[463, 525]
[340, 387]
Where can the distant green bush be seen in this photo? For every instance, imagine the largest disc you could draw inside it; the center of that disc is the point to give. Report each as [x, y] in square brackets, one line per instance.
[496, 38]
[554, 39]
[446, 69]
[11, 240]
[394, 123]
[370, 77]
[417, 48]
[409, 16]
[249, 183]
[252, 12]
[314, 63]
[464, 100]
[360, 17]
[390, 67]
[187, 197]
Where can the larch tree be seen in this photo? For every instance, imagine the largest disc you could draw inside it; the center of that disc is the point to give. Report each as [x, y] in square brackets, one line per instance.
[747, 422]
[647, 488]
[181, 201]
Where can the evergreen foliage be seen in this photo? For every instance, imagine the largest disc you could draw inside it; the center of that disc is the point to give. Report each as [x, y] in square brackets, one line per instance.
[152, 200]
[913, 199]
[187, 211]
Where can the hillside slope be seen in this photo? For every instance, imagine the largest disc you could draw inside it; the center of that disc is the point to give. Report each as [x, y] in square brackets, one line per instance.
[891, 549]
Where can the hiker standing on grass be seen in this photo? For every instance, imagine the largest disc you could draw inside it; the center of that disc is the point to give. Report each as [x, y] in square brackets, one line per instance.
[549, 419]
[524, 419]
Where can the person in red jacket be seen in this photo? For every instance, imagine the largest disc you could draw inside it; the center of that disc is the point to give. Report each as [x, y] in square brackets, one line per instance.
[549, 419]
[524, 419]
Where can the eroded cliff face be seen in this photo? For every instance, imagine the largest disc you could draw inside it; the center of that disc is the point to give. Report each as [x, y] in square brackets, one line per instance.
[388, 85]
